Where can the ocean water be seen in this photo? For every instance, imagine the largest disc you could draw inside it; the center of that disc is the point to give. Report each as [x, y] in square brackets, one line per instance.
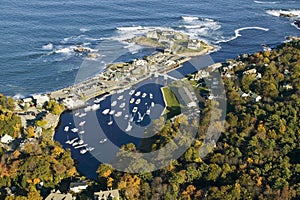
[37, 36]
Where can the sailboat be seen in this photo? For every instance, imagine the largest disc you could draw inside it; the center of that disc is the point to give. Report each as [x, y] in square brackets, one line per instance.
[105, 112]
[66, 129]
[140, 117]
[114, 103]
[103, 140]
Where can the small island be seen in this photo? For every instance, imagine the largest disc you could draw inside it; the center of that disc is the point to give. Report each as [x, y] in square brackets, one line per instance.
[174, 42]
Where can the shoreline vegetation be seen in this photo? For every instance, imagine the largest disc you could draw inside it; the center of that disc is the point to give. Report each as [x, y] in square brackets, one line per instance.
[256, 157]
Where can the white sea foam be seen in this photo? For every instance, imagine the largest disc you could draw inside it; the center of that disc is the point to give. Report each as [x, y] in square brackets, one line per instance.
[66, 50]
[277, 13]
[238, 32]
[83, 30]
[266, 2]
[189, 18]
[48, 46]
[18, 96]
[295, 25]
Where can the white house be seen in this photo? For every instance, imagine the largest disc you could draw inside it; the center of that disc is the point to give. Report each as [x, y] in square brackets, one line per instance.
[40, 100]
[78, 186]
[6, 139]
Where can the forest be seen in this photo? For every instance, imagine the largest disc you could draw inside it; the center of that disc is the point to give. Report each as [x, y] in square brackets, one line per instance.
[257, 155]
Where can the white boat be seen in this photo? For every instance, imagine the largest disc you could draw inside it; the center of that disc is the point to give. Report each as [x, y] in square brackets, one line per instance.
[131, 92]
[152, 104]
[97, 100]
[131, 100]
[72, 141]
[148, 112]
[120, 97]
[151, 96]
[140, 118]
[95, 107]
[118, 114]
[82, 115]
[66, 129]
[74, 130]
[138, 93]
[80, 146]
[90, 148]
[74, 144]
[81, 123]
[105, 112]
[77, 114]
[114, 103]
[138, 101]
[131, 119]
[110, 122]
[144, 95]
[122, 105]
[134, 109]
[83, 151]
[80, 142]
[112, 112]
[103, 140]
[81, 132]
[129, 127]
[88, 108]
[126, 116]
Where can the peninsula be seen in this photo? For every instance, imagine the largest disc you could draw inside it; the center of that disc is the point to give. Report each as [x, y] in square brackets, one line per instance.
[174, 49]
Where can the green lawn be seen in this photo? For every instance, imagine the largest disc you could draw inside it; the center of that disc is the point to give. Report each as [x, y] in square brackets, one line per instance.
[172, 104]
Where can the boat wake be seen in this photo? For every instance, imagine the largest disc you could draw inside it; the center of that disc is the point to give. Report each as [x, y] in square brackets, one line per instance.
[266, 2]
[238, 33]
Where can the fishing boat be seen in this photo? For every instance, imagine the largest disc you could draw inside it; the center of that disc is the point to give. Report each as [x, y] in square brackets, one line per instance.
[148, 112]
[126, 116]
[144, 95]
[103, 140]
[105, 112]
[82, 123]
[112, 112]
[131, 92]
[152, 104]
[81, 132]
[74, 130]
[122, 105]
[138, 101]
[66, 129]
[118, 114]
[131, 100]
[77, 114]
[138, 93]
[129, 127]
[114, 103]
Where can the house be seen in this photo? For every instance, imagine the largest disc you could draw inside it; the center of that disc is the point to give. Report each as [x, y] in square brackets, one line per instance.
[250, 71]
[40, 100]
[78, 186]
[288, 87]
[152, 35]
[193, 44]
[107, 195]
[59, 196]
[6, 139]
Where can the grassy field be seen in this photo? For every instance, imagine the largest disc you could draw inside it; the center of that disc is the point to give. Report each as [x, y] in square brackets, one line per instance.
[172, 104]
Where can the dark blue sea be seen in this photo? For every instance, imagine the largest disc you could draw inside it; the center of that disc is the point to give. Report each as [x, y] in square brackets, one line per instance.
[37, 41]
